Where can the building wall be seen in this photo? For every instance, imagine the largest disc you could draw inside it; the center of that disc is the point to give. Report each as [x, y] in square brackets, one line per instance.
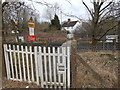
[71, 29]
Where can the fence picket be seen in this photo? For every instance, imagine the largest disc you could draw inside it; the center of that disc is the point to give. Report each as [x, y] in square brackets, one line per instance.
[11, 59]
[50, 72]
[36, 64]
[41, 66]
[15, 62]
[68, 67]
[31, 59]
[64, 62]
[45, 65]
[27, 61]
[19, 62]
[59, 75]
[23, 60]
[54, 66]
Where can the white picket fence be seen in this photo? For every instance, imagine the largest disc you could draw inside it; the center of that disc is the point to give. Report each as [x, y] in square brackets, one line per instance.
[45, 66]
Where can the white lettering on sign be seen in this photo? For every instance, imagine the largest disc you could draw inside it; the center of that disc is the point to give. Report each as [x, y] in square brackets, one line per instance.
[31, 31]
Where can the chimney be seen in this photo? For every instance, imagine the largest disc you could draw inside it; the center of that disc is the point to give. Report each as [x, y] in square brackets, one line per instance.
[69, 20]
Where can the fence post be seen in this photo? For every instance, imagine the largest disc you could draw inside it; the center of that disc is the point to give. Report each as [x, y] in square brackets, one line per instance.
[118, 55]
[7, 61]
[114, 46]
[73, 64]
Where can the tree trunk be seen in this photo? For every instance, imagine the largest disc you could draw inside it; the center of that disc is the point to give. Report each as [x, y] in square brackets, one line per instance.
[94, 44]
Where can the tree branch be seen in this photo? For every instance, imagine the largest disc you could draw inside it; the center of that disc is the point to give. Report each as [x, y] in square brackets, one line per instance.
[106, 19]
[104, 13]
[101, 4]
[3, 5]
[68, 2]
[106, 6]
[107, 31]
[43, 3]
[88, 9]
[72, 16]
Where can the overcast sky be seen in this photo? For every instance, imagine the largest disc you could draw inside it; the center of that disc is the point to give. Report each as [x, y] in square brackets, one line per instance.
[72, 7]
[75, 7]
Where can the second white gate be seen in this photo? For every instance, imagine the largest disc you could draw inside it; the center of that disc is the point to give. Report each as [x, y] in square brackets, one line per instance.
[54, 67]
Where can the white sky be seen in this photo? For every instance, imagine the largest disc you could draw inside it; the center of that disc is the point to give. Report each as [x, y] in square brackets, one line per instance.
[75, 8]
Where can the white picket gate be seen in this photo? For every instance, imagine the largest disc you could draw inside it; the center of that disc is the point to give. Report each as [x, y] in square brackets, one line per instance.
[45, 66]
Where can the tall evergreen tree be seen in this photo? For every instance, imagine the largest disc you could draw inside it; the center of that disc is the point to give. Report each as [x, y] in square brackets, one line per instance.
[55, 23]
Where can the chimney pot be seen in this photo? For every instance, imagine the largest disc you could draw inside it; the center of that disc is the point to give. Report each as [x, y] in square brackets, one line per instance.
[69, 20]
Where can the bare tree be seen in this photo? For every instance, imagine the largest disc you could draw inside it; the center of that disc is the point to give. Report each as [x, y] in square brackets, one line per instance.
[100, 15]
[15, 16]
[83, 30]
[51, 11]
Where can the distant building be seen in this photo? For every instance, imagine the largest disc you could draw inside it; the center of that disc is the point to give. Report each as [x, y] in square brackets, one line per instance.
[110, 38]
[70, 25]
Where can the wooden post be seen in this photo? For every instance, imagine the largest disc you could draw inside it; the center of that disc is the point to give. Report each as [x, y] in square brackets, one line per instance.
[119, 55]
[73, 64]
[3, 67]
[114, 45]
[1, 45]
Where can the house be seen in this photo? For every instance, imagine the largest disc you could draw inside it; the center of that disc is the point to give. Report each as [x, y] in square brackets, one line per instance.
[70, 25]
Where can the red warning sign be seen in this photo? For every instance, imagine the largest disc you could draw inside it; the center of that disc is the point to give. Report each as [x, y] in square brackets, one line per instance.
[31, 38]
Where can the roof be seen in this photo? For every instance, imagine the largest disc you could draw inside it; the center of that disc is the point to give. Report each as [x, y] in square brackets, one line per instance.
[69, 24]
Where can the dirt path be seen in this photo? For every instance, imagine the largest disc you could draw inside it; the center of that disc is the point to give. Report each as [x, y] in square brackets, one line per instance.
[92, 70]
[16, 84]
